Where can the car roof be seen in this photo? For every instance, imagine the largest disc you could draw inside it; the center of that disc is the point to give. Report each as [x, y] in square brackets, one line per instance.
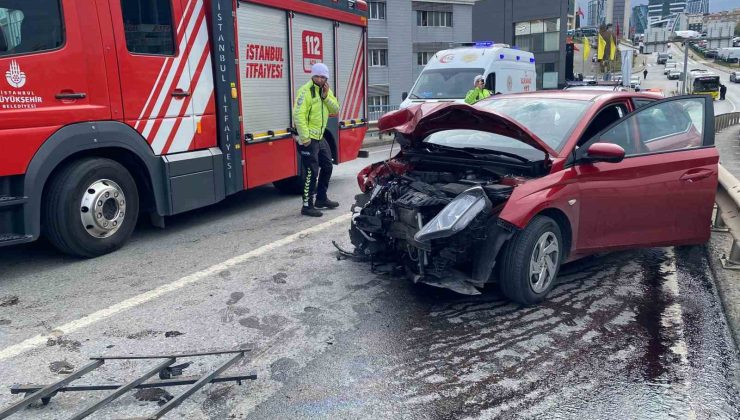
[578, 95]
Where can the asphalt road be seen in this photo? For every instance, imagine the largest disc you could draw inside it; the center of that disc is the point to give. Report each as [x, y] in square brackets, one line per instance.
[627, 335]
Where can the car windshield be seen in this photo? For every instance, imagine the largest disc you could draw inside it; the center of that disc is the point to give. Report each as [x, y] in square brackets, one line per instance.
[552, 120]
[444, 83]
[483, 140]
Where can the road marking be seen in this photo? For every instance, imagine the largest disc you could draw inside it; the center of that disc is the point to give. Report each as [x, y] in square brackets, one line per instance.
[672, 320]
[78, 324]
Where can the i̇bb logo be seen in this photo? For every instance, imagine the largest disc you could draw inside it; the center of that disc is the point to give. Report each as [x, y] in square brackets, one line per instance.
[447, 58]
[509, 84]
[313, 49]
[15, 76]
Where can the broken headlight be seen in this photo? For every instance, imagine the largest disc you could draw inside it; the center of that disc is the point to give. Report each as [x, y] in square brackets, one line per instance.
[456, 216]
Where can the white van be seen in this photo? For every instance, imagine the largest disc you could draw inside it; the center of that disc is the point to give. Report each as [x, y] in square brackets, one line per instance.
[449, 75]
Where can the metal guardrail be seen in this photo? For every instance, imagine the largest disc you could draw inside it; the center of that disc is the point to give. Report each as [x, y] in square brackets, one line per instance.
[726, 120]
[728, 199]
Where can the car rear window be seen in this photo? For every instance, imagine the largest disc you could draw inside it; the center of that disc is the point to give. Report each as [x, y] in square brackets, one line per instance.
[552, 120]
[30, 26]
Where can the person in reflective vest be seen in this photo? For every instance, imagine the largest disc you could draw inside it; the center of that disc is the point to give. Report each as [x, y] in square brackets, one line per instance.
[314, 103]
[478, 92]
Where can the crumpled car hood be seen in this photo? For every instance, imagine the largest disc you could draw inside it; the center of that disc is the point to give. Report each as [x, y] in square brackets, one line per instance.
[417, 122]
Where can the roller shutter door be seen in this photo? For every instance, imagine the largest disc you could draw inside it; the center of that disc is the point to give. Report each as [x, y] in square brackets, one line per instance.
[263, 63]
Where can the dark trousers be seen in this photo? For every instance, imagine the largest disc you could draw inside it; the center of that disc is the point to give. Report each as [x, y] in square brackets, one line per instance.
[722, 95]
[317, 168]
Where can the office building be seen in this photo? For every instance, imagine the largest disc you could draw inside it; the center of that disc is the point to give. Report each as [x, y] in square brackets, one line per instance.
[538, 26]
[697, 7]
[659, 10]
[402, 36]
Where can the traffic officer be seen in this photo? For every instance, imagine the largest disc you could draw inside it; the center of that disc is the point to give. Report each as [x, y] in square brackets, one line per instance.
[314, 102]
[478, 92]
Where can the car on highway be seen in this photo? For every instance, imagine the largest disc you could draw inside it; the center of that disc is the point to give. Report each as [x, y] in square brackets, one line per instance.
[669, 66]
[735, 76]
[674, 74]
[513, 187]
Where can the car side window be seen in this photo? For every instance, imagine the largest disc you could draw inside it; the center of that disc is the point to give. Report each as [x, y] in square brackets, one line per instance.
[668, 126]
[20, 25]
[148, 26]
[604, 118]
[639, 103]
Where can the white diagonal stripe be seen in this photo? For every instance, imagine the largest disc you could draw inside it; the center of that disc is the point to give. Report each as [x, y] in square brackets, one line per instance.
[175, 107]
[164, 93]
[161, 71]
[201, 96]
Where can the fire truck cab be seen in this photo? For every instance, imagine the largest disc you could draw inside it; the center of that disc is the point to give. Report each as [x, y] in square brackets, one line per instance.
[111, 109]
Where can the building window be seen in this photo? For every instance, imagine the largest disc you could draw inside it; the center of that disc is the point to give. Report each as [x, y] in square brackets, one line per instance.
[538, 35]
[377, 10]
[430, 18]
[376, 103]
[378, 58]
[422, 58]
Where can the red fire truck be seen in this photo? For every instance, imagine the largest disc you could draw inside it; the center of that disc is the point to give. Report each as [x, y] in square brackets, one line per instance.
[114, 108]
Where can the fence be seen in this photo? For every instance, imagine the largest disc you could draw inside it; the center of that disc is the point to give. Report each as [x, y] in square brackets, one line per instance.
[377, 111]
[726, 120]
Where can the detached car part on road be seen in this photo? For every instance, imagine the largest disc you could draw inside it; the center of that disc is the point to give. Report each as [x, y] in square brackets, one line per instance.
[509, 189]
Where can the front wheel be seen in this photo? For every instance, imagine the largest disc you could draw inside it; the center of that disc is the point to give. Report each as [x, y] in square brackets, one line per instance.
[91, 207]
[531, 261]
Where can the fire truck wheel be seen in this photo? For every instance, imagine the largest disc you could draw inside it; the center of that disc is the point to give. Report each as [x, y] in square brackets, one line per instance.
[291, 186]
[91, 207]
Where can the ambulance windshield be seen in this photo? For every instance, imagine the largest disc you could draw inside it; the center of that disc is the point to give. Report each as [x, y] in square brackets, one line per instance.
[444, 83]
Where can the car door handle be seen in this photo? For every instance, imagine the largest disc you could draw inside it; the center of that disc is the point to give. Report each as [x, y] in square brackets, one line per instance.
[70, 95]
[179, 93]
[696, 176]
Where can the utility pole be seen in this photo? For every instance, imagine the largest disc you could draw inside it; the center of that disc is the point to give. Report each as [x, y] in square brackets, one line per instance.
[685, 66]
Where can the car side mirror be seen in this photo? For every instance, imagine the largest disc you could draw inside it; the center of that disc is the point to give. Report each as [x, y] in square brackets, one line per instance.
[404, 96]
[604, 152]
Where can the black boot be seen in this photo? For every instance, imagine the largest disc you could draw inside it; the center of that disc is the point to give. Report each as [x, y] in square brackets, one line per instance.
[308, 209]
[325, 203]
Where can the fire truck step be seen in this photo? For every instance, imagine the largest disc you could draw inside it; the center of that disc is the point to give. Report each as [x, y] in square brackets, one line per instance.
[6, 201]
[12, 239]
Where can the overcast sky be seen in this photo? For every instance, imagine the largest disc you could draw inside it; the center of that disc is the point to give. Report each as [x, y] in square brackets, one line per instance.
[714, 5]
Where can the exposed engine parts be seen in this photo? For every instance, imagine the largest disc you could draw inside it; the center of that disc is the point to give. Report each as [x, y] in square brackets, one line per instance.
[431, 225]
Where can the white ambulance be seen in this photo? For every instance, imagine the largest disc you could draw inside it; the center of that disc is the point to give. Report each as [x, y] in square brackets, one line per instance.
[449, 75]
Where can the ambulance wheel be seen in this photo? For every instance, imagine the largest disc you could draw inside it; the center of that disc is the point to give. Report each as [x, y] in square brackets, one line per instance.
[290, 186]
[91, 207]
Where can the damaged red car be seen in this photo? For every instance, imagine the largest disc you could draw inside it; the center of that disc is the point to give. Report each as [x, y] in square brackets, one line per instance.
[513, 187]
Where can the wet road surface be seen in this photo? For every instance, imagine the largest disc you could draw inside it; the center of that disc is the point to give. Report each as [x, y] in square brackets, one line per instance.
[626, 335]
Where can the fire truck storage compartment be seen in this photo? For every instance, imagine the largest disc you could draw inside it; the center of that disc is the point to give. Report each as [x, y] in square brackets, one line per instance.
[313, 42]
[350, 88]
[194, 180]
[264, 76]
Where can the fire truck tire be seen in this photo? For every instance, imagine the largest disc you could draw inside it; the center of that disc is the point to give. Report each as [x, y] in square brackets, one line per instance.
[290, 186]
[91, 207]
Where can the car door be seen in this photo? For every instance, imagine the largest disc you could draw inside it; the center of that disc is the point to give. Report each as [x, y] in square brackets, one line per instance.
[662, 193]
[154, 39]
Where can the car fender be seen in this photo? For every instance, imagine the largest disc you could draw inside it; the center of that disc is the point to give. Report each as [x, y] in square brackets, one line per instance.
[81, 137]
[541, 196]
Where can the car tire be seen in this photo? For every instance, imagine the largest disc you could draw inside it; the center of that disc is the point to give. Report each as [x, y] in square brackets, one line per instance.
[91, 207]
[523, 255]
[290, 186]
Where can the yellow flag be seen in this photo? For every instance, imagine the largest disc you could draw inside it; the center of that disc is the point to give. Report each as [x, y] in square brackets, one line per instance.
[586, 49]
[612, 50]
[602, 48]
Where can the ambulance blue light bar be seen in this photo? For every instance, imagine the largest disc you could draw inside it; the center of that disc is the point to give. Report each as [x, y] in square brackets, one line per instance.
[483, 44]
